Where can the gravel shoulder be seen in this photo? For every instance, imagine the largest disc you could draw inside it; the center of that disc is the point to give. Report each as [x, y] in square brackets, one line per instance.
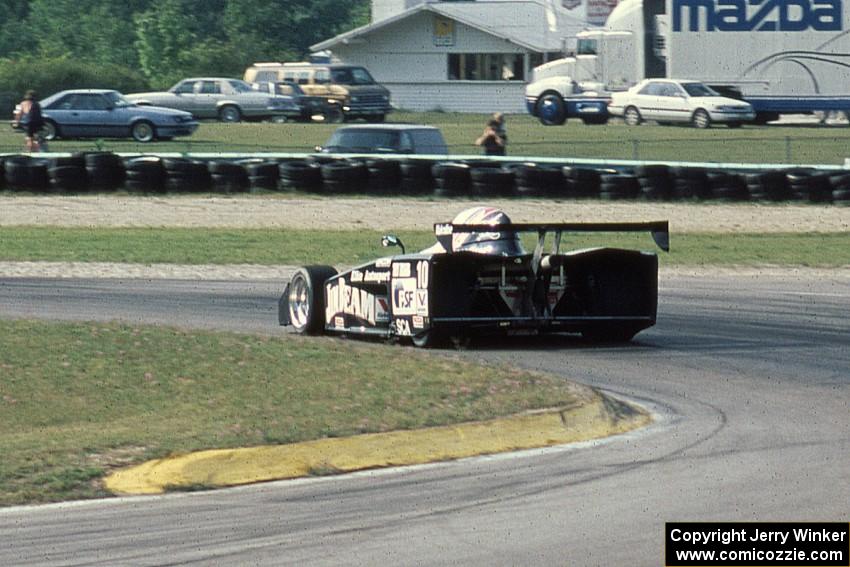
[399, 213]
[379, 214]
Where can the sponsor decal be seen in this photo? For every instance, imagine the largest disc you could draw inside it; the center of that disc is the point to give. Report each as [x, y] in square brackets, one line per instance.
[343, 298]
[339, 322]
[383, 262]
[401, 270]
[402, 327]
[444, 229]
[404, 296]
[418, 322]
[422, 301]
[757, 15]
[370, 276]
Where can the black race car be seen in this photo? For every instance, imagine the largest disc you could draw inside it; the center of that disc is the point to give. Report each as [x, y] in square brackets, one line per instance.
[478, 279]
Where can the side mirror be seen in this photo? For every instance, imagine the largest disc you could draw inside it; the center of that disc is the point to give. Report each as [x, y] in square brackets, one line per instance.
[391, 240]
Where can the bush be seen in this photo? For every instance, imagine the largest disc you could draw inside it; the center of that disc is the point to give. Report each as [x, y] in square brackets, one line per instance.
[47, 76]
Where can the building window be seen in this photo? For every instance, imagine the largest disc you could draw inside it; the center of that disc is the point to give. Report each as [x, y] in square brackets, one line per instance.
[486, 67]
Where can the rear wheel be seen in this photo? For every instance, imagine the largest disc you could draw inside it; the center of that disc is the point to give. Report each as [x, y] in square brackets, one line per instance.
[307, 299]
[49, 131]
[632, 117]
[229, 113]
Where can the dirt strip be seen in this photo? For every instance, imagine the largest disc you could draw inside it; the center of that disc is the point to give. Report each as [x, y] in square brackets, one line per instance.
[382, 213]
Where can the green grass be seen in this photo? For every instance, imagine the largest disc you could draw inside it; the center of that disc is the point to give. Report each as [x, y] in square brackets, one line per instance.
[77, 399]
[527, 137]
[296, 247]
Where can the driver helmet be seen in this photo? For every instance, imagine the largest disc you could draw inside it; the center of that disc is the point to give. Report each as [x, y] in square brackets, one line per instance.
[491, 243]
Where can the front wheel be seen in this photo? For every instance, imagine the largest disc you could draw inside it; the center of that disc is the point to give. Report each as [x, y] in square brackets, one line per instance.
[143, 132]
[550, 110]
[632, 116]
[229, 113]
[701, 119]
[307, 298]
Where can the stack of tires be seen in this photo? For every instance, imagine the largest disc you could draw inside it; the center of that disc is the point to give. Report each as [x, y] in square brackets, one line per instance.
[768, 186]
[384, 176]
[616, 186]
[68, 174]
[263, 175]
[655, 182]
[26, 173]
[727, 186]
[582, 181]
[536, 180]
[451, 178]
[809, 185]
[690, 183]
[228, 177]
[145, 174]
[344, 176]
[300, 175]
[185, 175]
[840, 188]
[416, 178]
[490, 179]
[105, 170]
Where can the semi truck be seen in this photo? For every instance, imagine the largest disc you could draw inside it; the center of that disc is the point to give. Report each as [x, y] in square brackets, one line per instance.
[781, 56]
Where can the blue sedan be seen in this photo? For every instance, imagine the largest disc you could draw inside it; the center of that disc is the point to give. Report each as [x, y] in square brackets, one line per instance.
[97, 113]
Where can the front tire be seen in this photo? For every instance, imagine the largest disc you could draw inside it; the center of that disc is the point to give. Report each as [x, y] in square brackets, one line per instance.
[229, 113]
[143, 132]
[701, 119]
[632, 117]
[307, 299]
[550, 110]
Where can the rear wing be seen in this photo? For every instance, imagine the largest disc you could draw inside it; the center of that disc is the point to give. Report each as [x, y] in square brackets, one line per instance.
[659, 229]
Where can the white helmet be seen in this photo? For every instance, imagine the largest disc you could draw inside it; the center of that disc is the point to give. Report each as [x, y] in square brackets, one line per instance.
[491, 243]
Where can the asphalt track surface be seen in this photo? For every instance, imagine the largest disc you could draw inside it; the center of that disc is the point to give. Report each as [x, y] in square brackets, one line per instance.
[749, 376]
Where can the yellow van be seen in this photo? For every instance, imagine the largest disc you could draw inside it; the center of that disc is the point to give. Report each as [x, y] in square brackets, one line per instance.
[350, 85]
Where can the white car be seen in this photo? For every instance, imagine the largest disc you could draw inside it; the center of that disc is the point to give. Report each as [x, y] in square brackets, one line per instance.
[668, 100]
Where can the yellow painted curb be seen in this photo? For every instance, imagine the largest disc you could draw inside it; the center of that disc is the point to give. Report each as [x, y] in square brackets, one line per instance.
[601, 417]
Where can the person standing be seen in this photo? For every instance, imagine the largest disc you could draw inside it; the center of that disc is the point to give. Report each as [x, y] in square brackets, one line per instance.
[29, 118]
[501, 130]
[490, 140]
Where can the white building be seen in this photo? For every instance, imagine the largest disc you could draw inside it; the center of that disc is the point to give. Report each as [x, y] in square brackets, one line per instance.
[467, 56]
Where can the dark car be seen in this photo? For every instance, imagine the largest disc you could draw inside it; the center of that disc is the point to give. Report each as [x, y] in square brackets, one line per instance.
[310, 108]
[386, 139]
[99, 113]
[479, 279]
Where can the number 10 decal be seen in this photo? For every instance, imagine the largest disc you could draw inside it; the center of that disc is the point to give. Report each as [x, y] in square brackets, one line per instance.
[422, 274]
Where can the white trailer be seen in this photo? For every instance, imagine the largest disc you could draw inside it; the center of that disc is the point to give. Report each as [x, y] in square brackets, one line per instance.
[783, 56]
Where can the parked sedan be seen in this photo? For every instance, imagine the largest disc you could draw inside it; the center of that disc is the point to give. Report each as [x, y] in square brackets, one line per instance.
[320, 108]
[98, 113]
[228, 100]
[668, 101]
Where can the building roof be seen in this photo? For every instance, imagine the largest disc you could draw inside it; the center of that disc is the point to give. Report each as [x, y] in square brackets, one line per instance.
[522, 22]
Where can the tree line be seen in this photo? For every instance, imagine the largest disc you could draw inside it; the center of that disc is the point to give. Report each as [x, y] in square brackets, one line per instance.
[131, 45]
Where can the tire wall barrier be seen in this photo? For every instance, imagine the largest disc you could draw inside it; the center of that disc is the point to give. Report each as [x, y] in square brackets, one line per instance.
[480, 178]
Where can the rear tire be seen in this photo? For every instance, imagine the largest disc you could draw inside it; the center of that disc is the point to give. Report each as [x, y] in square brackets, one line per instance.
[229, 113]
[307, 299]
[49, 131]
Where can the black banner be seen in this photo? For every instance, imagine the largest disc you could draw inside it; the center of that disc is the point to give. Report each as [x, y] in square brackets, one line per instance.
[757, 544]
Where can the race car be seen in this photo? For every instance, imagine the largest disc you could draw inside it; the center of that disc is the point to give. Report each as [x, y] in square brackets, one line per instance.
[478, 279]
